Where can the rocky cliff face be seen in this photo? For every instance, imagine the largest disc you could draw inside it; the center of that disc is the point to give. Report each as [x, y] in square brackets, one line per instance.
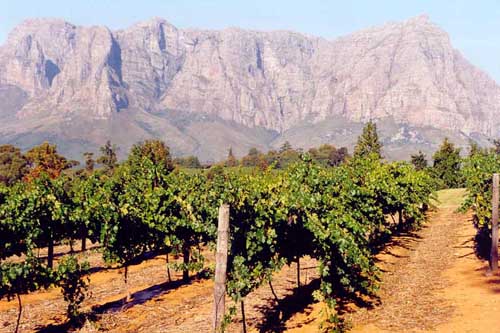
[407, 73]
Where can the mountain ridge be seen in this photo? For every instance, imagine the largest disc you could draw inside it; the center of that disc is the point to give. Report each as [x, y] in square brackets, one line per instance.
[404, 73]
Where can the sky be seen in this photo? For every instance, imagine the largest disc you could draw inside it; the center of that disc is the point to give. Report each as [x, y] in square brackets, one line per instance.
[474, 26]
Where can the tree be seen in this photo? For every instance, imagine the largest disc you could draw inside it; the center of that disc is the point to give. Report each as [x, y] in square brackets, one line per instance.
[447, 162]
[419, 161]
[368, 142]
[190, 162]
[231, 160]
[151, 157]
[329, 155]
[13, 164]
[287, 155]
[496, 148]
[286, 146]
[108, 157]
[252, 159]
[475, 149]
[45, 159]
[154, 150]
[253, 152]
[89, 162]
[148, 166]
[338, 156]
[272, 157]
[322, 153]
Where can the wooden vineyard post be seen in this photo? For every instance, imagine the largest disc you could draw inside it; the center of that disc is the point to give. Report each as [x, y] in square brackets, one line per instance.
[494, 226]
[219, 308]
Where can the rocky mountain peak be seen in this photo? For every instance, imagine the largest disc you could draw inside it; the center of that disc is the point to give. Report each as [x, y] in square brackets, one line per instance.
[421, 19]
[40, 26]
[406, 72]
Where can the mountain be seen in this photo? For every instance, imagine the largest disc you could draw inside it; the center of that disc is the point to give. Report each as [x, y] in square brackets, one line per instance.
[204, 91]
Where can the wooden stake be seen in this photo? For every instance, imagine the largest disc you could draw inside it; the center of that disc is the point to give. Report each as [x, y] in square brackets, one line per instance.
[219, 308]
[168, 269]
[19, 312]
[125, 279]
[243, 317]
[494, 226]
[298, 272]
[185, 261]
[50, 253]
[84, 243]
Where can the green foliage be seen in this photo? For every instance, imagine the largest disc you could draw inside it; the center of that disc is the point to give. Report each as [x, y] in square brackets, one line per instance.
[88, 208]
[368, 142]
[477, 171]
[286, 146]
[254, 158]
[287, 157]
[108, 157]
[13, 164]
[419, 161]
[42, 209]
[154, 151]
[71, 277]
[123, 234]
[496, 146]
[23, 277]
[190, 162]
[231, 160]
[44, 159]
[253, 217]
[338, 216]
[474, 148]
[329, 155]
[191, 218]
[215, 171]
[338, 156]
[14, 230]
[447, 163]
[89, 162]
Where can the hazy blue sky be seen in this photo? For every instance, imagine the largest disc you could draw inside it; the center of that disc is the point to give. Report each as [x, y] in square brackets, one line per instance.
[474, 26]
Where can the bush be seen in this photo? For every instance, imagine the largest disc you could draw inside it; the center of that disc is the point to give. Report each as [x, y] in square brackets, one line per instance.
[74, 282]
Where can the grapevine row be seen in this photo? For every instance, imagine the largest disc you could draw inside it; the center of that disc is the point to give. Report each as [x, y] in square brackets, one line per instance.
[477, 170]
[339, 216]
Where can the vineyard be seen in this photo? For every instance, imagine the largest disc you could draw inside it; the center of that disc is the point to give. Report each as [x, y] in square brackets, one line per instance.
[340, 217]
[225, 179]
[156, 224]
[478, 170]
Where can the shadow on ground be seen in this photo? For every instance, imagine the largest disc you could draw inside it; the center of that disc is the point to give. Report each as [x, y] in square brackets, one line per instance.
[276, 315]
[138, 297]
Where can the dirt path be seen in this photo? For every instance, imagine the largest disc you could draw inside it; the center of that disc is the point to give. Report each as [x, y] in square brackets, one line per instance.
[434, 282]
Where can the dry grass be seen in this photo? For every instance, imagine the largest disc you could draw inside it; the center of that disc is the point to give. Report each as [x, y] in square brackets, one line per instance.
[413, 276]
